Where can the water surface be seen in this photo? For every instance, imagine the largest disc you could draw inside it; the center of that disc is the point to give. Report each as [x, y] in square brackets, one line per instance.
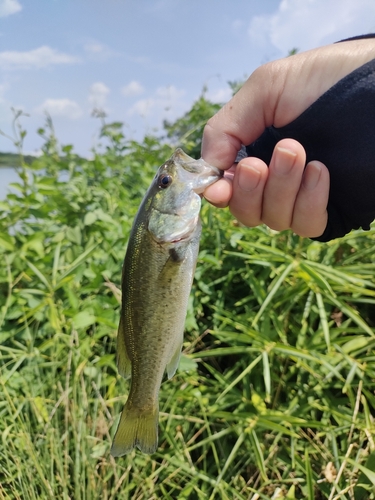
[7, 175]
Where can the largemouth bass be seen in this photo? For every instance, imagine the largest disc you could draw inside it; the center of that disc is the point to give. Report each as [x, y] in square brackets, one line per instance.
[157, 276]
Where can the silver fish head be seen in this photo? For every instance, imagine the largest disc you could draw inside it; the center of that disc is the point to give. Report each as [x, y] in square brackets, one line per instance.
[174, 201]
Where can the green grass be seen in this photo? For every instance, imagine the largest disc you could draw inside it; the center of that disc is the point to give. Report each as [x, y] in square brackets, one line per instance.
[274, 397]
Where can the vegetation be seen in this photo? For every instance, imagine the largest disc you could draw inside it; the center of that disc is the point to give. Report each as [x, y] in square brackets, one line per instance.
[274, 397]
[14, 160]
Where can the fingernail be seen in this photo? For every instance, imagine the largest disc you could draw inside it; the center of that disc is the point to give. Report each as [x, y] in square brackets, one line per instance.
[248, 177]
[311, 176]
[284, 160]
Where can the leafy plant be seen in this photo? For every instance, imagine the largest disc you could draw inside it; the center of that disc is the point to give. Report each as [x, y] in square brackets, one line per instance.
[274, 397]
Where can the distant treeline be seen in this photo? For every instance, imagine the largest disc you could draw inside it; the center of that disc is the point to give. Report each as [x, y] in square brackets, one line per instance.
[14, 159]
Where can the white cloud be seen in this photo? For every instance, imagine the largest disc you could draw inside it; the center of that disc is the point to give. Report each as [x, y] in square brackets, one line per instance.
[8, 7]
[65, 108]
[94, 47]
[98, 95]
[170, 93]
[143, 107]
[219, 95]
[36, 58]
[98, 51]
[165, 103]
[306, 24]
[131, 89]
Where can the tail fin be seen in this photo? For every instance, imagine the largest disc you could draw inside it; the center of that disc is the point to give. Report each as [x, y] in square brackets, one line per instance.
[136, 429]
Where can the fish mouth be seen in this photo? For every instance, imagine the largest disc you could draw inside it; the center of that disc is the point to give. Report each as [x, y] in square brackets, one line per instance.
[208, 180]
[194, 166]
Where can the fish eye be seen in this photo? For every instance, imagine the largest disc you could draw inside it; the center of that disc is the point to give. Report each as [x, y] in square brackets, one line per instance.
[165, 180]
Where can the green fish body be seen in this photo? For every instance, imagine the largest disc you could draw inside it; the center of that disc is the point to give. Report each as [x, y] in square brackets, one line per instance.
[157, 276]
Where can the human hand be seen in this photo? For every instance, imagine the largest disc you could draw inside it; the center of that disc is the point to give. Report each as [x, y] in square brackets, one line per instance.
[276, 94]
[283, 196]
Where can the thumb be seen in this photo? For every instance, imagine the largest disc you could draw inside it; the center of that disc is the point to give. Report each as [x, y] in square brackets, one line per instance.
[277, 93]
[242, 120]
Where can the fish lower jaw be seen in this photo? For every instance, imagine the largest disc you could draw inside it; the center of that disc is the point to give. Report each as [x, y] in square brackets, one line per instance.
[187, 235]
[182, 238]
[178, 240]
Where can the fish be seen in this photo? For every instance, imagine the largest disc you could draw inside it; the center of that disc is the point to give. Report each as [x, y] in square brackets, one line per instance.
[157, 276]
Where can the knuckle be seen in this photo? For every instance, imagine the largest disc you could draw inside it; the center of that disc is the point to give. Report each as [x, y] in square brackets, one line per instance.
[208, 128]
[245, 217]
[276, 225]
[269, 74]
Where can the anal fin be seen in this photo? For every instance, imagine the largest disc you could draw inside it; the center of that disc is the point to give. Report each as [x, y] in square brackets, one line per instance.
[122, 359]
[173, 362]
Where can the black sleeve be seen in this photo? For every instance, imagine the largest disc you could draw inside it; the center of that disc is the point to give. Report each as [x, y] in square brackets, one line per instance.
[338, 129]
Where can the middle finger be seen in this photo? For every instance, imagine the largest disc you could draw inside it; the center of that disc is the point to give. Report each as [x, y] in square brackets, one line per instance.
[283, 184]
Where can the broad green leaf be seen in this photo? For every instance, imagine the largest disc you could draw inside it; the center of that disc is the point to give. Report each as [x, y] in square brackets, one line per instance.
[83, 319]
[90, 218]
[187, 364]
[40, 409]
[74, 235]
[6, 242]
[4, 206]
[355, 344]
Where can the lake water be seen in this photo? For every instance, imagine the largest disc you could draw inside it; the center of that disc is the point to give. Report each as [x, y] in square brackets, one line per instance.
[7, 175]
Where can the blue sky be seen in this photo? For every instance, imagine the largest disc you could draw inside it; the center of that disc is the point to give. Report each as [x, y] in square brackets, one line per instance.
[146, 60]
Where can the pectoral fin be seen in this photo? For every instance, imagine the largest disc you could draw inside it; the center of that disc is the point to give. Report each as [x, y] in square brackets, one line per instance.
[177, 253]
[123, 361]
